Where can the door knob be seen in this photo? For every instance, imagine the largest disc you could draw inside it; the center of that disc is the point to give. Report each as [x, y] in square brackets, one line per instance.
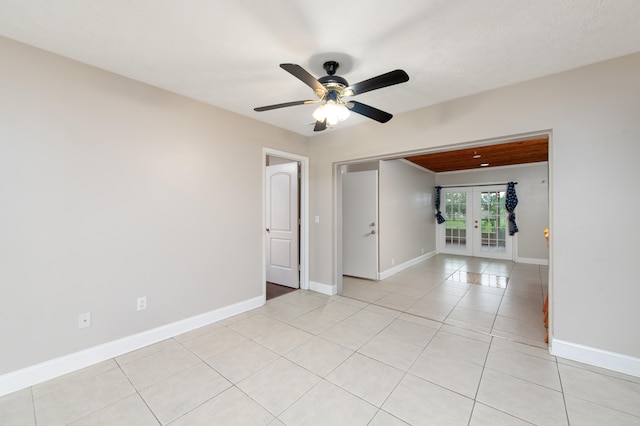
[268, 230]
[372, 224]
[373, 231]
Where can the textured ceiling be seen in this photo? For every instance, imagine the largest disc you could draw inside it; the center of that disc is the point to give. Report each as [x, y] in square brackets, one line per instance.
[226, 52]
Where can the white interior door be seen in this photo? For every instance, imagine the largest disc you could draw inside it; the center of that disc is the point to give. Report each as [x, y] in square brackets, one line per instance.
[282, 223]
[476, 222]
[360, 224]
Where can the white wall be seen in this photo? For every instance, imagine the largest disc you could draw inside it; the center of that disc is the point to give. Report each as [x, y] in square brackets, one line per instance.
[532, 212]
[406, 213]
[110, 190]
[593, 115]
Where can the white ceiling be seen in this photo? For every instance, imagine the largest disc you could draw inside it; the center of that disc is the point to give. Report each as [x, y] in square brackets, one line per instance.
[226, 52]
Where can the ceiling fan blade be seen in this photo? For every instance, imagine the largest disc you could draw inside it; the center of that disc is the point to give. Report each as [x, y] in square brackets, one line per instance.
[301, 74]
[320, 126]
[384, 80]
[369, 111]
[284, 105]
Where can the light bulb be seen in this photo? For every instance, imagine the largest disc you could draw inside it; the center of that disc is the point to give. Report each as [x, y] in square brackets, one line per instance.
[331, 111]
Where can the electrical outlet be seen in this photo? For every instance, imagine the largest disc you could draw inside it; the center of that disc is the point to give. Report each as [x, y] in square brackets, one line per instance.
[84, 320]
[142, 303]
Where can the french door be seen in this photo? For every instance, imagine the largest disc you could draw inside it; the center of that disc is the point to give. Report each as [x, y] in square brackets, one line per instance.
[476, 222]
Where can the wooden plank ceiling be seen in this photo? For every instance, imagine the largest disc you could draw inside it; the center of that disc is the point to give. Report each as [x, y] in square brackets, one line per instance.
[504, 154]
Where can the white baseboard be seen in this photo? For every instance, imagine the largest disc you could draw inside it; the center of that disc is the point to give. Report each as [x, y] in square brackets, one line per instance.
[532, 261]
[327, 289]
[29, 376]
[399, 268]
[596, 357]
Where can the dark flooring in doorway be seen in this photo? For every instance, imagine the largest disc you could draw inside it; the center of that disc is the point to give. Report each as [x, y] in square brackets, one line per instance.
[275, 290]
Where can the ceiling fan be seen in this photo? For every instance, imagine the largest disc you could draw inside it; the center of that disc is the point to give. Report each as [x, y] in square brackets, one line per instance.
[331, 90]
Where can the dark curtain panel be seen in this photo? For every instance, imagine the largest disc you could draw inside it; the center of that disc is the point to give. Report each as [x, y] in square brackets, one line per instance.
[439, 217]
[510, 204]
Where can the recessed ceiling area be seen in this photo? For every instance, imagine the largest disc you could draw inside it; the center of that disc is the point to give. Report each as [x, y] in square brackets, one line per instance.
[505, 154]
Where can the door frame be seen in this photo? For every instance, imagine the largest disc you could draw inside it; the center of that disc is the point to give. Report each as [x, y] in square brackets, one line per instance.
[304, 215]
[473, 213]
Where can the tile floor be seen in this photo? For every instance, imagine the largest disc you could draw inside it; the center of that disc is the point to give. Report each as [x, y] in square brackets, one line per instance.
[430, 345]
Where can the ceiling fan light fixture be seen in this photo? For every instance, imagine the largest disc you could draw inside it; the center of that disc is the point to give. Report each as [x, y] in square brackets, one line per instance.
[332, 111]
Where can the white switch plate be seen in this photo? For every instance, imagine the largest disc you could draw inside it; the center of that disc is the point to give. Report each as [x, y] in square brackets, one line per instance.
[317, 219]
[84, 320]
[142, 303]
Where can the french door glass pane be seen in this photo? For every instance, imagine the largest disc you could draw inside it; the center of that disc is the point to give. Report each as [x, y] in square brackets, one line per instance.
[492, 221]
[456, 224]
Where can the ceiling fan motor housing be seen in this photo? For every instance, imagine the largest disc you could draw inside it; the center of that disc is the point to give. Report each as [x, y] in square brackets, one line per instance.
[331, 79]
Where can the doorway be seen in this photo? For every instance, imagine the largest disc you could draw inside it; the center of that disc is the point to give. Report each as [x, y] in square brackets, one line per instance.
[476, 222]
[285, 225]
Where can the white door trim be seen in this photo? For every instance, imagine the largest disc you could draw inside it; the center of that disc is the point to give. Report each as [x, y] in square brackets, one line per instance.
[304, 215]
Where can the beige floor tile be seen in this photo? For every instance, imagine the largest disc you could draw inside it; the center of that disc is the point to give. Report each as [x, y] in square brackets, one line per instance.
[311, 301]
[231, 407]
[155, 348]
[410, 291]
[586, 413]
[238, 363]
[158, 366]
[367, 378]
[522, 399]
[395, 353]
[481, 302]
[397, 301]
[64, 381]
[347, 335]
[430, 309]
[409, 332]
[129, 411]
[314, 322]
[182, 392]
[456, 375]
[442, 296]
[526, 349]
[327, 404]
[368, 319]
[349, 301]
[463, 332]
[459, 347]
[369, 295]
[287, 339]
[382, 418]
[513, 327]
[80, 398]
[475, 320]
[618, 394]
[419, 402]
[414, 319]
[282, 310]
[258, 325]
[524, 366]
[197, 332]
[278, 385]
[319, 356]
[216, 341]
[339, 309]
[17, 408]
[487, 416]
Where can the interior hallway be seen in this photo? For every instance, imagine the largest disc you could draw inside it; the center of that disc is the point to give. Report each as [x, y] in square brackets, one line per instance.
[426, 346]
